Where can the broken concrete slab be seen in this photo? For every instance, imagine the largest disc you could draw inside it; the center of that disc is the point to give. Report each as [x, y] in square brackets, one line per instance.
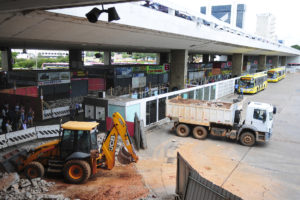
[8, 180]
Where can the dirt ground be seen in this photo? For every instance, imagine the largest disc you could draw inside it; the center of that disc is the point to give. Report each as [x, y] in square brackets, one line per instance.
[122, 182]
[220, 161]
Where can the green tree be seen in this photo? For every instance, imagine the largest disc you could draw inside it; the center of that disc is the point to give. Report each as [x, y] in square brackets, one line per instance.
[125, 55]
[296, 46]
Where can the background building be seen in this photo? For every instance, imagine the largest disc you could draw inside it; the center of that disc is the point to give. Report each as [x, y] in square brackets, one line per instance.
[233, 14]
[265, 26]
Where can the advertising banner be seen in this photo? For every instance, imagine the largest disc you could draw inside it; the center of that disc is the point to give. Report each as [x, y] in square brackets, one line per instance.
[52, 78]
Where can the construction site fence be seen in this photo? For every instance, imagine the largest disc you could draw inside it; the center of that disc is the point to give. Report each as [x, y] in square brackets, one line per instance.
[191, 185]
[22, 136]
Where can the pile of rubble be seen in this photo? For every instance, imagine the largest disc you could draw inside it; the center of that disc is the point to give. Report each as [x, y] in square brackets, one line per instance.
[13, 187]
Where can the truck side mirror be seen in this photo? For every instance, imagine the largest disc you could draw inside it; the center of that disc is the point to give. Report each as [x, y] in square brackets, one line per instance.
[264, 117]
[274, 110]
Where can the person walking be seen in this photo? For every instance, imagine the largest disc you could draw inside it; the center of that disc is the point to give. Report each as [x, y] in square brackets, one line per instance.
[236, 88]
[8, 126]
[30, 117]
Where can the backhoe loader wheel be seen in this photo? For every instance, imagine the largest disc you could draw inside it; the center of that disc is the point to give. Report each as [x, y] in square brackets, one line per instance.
[182, 130]
[34, 170]
[200, 132]
[77, 171]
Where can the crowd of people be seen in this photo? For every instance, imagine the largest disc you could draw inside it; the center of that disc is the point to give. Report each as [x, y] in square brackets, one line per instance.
[15, 118]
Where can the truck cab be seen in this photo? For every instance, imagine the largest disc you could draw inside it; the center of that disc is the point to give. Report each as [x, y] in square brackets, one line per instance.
[259, 119]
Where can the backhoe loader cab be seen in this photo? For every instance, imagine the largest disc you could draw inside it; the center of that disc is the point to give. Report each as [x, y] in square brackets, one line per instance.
[78, 139]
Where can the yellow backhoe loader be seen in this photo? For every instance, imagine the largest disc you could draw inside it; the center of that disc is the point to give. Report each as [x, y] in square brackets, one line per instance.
[76, 153]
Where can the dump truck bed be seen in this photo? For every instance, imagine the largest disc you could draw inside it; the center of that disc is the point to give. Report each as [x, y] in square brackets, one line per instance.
[200, 112]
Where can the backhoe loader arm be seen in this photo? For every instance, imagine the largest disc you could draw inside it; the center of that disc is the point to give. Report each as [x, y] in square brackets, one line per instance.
[110, 144]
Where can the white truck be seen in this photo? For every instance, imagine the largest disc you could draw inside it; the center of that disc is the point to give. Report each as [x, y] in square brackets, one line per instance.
[221, 119]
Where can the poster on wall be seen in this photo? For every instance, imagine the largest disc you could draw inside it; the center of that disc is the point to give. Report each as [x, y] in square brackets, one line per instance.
[138, 82]
[124, 72]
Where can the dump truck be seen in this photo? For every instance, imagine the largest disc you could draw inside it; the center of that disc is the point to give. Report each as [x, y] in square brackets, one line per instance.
[221, 119]
[75, 153]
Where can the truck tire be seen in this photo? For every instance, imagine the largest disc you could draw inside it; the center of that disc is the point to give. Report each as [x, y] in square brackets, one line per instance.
[34, 170]
[77, 171]
[200, 132]
[182, 130]
[247, 139]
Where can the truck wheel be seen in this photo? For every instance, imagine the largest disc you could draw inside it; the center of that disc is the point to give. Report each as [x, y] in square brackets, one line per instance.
[182, 130]
[34, 170]
[247, 139]
[200, 132]
[77, 171]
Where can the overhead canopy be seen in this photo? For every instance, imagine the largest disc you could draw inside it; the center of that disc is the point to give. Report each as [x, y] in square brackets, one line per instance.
[47, 30]
[7, 6]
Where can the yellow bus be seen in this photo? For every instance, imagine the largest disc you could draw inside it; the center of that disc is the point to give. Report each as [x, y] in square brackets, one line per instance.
[275, 75]
[253, 83]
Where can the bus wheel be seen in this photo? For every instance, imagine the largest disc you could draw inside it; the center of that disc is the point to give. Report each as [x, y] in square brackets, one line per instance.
[182, 130]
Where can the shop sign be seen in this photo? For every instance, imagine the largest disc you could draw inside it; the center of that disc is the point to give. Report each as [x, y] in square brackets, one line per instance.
[139, 69]
[156, 69]
[167, 67]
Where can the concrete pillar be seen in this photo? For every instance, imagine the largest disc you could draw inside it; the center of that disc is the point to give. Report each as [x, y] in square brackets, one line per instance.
[205, 58]
[211, 57]
[163, 58]
[178, 71]
[275, 61]
[229, 58]
[75, 59]
[107, 58]
[237, 64]
[262, 59]
[6, 60]
[283, 60]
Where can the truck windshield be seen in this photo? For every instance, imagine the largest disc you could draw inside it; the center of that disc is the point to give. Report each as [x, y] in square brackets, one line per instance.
[271, 116]
[246, 82]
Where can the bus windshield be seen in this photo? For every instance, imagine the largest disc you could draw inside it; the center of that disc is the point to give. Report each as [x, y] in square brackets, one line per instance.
[272, 74]
[247, 82]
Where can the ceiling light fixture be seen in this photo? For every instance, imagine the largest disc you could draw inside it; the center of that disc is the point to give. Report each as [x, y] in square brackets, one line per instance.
[94, 14]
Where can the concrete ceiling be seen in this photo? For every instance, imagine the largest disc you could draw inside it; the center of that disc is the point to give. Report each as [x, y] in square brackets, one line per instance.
[45, 30]
[27, 5]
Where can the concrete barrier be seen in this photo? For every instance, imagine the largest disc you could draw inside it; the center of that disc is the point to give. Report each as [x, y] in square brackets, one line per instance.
[58, 112]
[3, 141]
[21, 136]
[47, 131]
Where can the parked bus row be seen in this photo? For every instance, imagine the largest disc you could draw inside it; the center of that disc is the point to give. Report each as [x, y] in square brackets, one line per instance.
[253, 83]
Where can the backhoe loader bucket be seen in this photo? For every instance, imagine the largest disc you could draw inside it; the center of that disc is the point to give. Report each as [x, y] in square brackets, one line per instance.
[11, 161]
[124, 157]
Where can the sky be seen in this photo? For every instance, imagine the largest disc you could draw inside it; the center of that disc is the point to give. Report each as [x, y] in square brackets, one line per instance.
[286, 13]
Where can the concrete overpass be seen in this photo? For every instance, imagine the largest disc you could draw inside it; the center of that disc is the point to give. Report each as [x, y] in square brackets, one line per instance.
[140, 29]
